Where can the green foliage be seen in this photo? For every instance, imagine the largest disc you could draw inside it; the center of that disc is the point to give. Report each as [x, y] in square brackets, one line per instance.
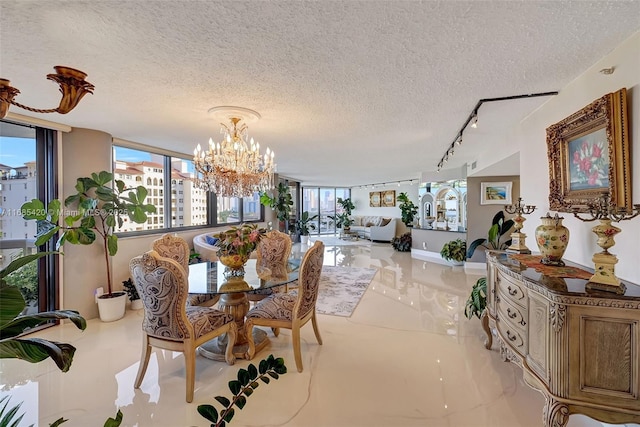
[343, 219]
[304, 224]
[477, 301]
[242, 388]
[26, 279]
[455, 250]
[13, 325]
[111, 422]
[130, 289]
[9, 417]
[402, 243]
[95, 209]
[499, 227]
[407, 208]
[281, 203]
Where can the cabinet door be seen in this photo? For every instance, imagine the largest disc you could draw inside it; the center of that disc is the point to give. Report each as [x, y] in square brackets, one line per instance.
[538, 355]
[603, 355]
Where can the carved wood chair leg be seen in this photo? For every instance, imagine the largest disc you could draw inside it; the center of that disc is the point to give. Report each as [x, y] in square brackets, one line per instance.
[276, 332]
[484, 318]
[314, 322]
[295, 338]
[144, 360]
[190, 367]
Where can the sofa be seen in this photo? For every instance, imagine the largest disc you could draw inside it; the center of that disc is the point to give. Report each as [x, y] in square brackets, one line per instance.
[375, 228]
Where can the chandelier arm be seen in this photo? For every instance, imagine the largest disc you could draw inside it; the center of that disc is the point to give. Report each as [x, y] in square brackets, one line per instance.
[34, 110]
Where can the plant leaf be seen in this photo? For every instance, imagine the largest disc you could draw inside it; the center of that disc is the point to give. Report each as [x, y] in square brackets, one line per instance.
[241, 401]
[112, 244]
[12, 303]
[228, 415]
[57, 422]
[243, 377]
[111, 422]
[36, 350]
[18, 325]
[235, 387]
[253, 372]
[209, 412]
[223, 401]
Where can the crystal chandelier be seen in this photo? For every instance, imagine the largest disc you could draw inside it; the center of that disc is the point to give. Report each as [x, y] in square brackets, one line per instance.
[234, 167]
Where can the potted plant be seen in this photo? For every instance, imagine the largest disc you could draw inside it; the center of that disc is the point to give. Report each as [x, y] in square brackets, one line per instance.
[402, 243]
[343, 220]
[408, 209]
[281, 203]
[97, 207]
[303, 225]
[132, 292]
[499, 227]
[477, 301]
[455, 251]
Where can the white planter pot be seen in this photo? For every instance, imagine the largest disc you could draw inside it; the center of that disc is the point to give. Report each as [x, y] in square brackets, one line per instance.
[111, 309]
[304, 240]
[136, 304]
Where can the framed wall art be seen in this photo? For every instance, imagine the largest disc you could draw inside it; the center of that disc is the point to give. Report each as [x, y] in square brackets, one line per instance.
[374, 199]
[389, 198]
[495, 193]
[589, 156]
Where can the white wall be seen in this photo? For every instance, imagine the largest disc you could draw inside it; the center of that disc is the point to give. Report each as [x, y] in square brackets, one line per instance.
[534, 177]
[360, 197]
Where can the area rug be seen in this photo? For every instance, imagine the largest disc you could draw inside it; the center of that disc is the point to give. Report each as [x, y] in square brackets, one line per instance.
[341, 289]
[334, 241]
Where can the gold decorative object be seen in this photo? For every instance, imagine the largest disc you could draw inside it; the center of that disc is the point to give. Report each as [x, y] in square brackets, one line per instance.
[517, 238]
[604, 278]
[588, 155]
[233, 167]
[73, 87]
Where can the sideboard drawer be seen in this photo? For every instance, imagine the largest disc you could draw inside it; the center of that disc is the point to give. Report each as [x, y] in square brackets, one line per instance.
[512, 335]
[511, 290]
[512, 313]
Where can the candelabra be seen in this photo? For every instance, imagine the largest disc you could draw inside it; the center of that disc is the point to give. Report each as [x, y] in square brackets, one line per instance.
[73, 87]
[517, 238]
[604, 278]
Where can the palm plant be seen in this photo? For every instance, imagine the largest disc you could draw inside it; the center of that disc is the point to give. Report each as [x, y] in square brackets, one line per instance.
[499, 228]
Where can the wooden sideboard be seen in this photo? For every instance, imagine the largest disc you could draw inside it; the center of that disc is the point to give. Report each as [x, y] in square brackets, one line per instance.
[580, 349]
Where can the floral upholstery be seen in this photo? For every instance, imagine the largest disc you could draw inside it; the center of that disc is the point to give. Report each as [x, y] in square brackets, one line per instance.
[163, 295]
[273, 253]
[276, 306]
[176, 248]
[205, 319]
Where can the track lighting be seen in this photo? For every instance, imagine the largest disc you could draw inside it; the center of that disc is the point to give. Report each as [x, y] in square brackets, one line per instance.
[474, 121]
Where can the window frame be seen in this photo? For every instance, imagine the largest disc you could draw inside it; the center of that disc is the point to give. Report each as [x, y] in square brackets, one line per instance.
[212, 214]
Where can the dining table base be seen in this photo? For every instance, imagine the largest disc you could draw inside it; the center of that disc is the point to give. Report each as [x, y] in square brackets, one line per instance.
[236, 304]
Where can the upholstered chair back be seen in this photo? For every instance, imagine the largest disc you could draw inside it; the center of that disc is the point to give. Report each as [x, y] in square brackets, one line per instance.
[174, 247]
[162, 285]
[273, 253]
[309, 280]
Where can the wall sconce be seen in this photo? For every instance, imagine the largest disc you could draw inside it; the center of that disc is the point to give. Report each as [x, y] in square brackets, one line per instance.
[73, 87]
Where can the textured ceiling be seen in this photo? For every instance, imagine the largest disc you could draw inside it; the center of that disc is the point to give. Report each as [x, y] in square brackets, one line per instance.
[350, 92]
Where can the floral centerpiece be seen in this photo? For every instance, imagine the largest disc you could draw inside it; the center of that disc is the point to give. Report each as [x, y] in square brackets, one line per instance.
[236, 244]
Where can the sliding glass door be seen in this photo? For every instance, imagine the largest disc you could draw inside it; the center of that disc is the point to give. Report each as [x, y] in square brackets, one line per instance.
[321, 201]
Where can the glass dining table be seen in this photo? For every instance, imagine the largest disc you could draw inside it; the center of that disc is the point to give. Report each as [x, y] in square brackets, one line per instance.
[208, 278]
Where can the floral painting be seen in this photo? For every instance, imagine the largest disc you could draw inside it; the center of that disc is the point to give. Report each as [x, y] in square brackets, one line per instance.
[589, 161]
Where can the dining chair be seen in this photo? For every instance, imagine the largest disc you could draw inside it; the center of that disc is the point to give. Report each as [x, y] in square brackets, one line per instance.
[168, 322]
[176, 248]
[288, 310]
[273, 253]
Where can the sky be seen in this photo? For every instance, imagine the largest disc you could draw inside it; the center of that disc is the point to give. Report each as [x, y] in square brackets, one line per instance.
[17, 151]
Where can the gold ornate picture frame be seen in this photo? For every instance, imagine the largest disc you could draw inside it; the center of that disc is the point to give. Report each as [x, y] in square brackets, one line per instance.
[589, 156]
[374, 199]
[389, 198]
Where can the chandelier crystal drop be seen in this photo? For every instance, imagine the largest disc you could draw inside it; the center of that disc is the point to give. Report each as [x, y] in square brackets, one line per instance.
[234, 167]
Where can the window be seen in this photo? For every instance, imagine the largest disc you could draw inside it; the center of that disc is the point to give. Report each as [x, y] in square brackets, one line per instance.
[323, 202]
[189, 205]
[27, 158]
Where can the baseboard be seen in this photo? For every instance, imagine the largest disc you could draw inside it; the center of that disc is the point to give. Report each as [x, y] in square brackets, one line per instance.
[429, 256]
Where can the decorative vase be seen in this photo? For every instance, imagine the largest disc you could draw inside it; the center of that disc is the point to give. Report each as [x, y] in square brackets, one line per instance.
[234, 264]
[552, 238]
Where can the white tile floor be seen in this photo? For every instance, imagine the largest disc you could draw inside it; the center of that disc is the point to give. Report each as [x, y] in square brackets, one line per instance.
[406, 357]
